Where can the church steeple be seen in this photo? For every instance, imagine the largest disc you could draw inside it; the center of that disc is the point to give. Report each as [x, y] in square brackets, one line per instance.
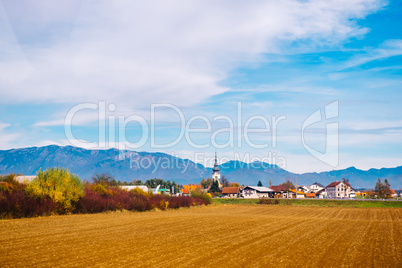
[216, 166]
[216, 175]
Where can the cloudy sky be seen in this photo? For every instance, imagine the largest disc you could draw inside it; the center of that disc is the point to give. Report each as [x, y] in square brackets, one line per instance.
[193, 77]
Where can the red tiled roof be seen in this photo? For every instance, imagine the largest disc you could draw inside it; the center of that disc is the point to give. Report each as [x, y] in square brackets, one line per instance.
[310, 195]
[277, 188]
[230, 190]
[393, 191]
[333, 184]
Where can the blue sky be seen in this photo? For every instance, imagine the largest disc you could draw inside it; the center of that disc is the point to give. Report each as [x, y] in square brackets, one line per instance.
[284, 59]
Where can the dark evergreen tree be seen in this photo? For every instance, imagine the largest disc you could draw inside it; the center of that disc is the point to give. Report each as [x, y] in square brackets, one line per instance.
[259, 183]
[214, 187]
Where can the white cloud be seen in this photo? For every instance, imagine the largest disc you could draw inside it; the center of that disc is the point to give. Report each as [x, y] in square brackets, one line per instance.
[137, 52]
[390, 48]
[7, 139]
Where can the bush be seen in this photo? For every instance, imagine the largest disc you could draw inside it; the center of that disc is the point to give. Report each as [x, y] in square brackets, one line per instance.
[138, 191]
[9, 184]
[264, 201]
[198, 193]
[59, 185]
[17, 205]
[115, 199]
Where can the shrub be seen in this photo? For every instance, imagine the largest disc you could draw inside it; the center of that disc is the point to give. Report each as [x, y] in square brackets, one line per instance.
[59, 185]
[16, 204]
[198, 193]
[138, 191]
[181, 201]
[268, 201]
[116, 199]
[99, 188]
[9, 184]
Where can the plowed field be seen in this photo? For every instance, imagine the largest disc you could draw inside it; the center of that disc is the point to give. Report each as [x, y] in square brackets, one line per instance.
[220, 236]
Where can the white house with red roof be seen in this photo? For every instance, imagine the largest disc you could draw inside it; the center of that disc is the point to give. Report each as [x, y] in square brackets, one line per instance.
[232, 192]
[340, 189]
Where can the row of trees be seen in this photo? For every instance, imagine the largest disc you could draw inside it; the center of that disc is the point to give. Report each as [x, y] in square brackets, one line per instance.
[106, 179]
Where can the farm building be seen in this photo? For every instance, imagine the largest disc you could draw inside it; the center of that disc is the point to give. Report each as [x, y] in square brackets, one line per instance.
[232, 192]
[256, 192]
[131, 187]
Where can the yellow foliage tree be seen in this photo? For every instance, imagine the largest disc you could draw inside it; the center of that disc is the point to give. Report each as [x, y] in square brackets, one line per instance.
[138, 191]
[59, 185]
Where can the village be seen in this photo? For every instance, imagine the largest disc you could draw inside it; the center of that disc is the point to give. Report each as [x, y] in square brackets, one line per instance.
[220, 187]
[338, 189]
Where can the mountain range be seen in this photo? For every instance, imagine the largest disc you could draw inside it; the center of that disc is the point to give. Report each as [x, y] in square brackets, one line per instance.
[129, 165]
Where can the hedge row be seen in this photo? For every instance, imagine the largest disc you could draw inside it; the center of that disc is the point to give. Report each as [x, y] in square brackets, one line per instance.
[16, 203]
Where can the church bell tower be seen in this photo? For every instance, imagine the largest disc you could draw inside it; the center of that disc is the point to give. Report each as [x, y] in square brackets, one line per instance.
[216, 174]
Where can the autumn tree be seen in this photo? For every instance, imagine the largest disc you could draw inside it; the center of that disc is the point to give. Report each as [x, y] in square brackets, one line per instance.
[59, 185]
[9, 183]
[137, 182]
[383, 190]
[234, 184]
[225, 181]
[288, 185]
[105, 180]
[205, 183]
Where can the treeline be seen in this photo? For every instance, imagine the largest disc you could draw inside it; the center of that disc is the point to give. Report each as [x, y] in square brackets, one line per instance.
[152, 183]
[56, 191]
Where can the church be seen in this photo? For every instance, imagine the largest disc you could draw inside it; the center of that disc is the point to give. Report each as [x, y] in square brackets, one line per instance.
[216, 174]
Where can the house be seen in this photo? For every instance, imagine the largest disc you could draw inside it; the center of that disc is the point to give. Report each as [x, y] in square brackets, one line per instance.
[393, 193]
[131, 187]
[316, 186]
[231, 192]
[352, 193]
[256, 192]
[279, 190]
[339, 189]
[321, 194]
[398, 193]
[303, 188]
[24, 179]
